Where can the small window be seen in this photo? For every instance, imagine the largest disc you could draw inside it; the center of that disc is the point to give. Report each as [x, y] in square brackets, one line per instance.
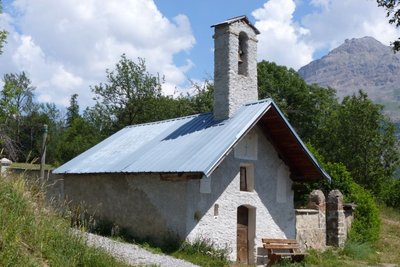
[247, 177]
[216, 210]
[243, 179]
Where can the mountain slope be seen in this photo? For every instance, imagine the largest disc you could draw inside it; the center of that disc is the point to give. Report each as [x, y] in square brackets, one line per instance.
[362, 63]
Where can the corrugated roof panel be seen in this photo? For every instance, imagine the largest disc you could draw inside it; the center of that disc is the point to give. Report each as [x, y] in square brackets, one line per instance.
[188, 144]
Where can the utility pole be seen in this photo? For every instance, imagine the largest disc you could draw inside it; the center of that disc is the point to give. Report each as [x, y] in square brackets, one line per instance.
[43, 156]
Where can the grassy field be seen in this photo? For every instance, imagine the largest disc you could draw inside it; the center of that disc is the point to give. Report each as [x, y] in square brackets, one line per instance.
[32, 234]
[388, 246]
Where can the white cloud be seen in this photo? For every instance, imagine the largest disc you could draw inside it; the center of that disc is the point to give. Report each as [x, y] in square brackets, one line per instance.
[65, 46]
[340, 20]
[281, 37]
[326, 26]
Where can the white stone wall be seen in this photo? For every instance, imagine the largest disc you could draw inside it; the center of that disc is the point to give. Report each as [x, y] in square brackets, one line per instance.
[272, 219]
[231, 90]
[144, 204]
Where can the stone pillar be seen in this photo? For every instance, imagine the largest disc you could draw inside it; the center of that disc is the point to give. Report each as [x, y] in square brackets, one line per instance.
[4, 164]
[335, 220]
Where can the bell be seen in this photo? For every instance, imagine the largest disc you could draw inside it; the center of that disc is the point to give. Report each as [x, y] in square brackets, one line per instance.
[240, 56]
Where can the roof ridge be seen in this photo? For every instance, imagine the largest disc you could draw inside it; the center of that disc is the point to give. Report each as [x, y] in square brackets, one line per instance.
[167, 120]
[258, 101]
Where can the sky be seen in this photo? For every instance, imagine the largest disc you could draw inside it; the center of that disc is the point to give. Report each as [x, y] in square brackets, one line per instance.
[65, 46]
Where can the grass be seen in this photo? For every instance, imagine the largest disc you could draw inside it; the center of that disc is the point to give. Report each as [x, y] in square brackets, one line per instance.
[203, 253]
[32, 234]
[388, 245]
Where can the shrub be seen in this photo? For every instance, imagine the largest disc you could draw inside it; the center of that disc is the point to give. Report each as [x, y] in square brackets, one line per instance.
[391, 195]
[357, 251]
[366, 224]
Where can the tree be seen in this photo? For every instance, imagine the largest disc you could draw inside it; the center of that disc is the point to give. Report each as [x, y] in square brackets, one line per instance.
[73, 109]
[393, 12]
[75, 136]
[128, 96]
[363, 139]
[306, 106]
[16, 100]
[3, 35]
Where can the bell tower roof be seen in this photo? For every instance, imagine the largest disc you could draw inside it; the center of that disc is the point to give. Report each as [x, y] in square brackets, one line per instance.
[234, 19]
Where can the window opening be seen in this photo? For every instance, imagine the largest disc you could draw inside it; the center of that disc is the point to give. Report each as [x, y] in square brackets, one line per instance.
[243, 179]
[243, 54]
[216, 210]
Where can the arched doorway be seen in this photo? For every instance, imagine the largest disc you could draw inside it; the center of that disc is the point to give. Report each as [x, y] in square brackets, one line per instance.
[242, 235]
[245, 234]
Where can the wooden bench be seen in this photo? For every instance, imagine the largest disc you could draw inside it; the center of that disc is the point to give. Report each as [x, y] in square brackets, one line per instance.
[278, 248]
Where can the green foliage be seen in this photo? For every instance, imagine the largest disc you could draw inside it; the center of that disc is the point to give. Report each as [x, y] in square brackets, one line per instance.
[362, 138]
[31, 234]
[203, 252]
[391, 195]
[393, 12]
[328, 258]
[78, 135]
[15, 102]
[133, 96]
[129, 95]
[366, 225]
[306, 106]
[3, 34]
[358, 251]
[72, 110]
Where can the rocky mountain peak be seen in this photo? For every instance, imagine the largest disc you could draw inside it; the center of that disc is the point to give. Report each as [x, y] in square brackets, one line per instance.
[360, 63]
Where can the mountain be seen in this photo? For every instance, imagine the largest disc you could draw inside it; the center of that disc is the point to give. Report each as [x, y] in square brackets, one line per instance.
[360, 63]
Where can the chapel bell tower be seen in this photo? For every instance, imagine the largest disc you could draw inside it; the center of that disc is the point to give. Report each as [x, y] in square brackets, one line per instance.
[235, 65]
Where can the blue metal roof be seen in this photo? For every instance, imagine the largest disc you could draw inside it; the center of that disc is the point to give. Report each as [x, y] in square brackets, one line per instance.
[195, 143]
[189, 144]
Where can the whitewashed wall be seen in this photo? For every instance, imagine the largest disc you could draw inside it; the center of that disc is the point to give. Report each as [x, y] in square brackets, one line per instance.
[271, 201]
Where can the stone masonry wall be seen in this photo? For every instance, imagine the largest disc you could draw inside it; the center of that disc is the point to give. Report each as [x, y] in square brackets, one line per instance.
[323, 223]
[311, 222]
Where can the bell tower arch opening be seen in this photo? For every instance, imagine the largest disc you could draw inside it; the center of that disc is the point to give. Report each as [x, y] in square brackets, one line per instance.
[243, 53]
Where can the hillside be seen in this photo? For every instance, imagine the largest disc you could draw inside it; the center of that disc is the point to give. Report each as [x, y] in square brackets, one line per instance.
[362, 63]
[32, 234]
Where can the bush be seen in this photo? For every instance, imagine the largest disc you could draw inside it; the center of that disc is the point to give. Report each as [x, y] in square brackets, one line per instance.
[366, 224]
[391, 195]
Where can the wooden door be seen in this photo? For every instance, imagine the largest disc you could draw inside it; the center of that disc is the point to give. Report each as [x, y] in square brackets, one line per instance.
[242, 235]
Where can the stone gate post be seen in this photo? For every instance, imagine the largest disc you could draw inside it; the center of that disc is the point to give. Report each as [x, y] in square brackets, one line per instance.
[335, 220]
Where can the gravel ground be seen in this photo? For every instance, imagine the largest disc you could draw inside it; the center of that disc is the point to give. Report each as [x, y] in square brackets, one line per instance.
[133, 254]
